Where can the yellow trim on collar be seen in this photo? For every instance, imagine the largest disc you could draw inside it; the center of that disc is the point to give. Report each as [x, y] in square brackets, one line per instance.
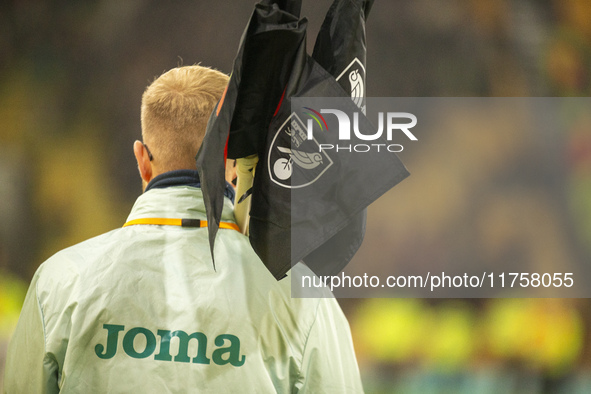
[179, 222]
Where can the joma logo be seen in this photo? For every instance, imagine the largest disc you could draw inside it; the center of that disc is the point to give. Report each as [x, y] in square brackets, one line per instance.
[229, 354]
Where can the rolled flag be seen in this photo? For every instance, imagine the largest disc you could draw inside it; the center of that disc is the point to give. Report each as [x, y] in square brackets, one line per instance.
[306, 205]
[260, 72]
[340, 49]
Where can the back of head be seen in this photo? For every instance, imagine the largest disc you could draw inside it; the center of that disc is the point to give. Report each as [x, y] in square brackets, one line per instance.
[174, 114]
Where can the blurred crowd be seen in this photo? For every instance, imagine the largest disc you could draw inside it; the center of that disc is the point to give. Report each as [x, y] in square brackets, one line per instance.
[71, 79]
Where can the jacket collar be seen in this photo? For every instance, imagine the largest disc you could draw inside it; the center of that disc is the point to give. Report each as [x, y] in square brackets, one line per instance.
[184, 178]
[168, 196]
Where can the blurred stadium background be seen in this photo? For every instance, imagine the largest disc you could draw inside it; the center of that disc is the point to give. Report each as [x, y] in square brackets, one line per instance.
[71, 79]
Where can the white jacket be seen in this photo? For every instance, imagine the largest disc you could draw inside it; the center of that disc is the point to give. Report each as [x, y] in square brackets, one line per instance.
[141, 309]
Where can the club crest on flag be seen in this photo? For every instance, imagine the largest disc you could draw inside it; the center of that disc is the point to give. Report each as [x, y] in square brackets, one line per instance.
[352, 79]
[294, 161]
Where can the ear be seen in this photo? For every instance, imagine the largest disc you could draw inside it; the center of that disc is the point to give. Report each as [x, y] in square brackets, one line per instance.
[143, 161]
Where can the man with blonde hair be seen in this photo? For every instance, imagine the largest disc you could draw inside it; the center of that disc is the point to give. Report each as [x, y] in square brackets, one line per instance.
[143, 308]
[174, 114]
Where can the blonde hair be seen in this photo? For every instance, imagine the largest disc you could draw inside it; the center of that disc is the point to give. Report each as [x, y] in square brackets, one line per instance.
[174, 113]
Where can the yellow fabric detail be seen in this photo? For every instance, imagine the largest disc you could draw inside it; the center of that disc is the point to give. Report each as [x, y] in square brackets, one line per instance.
[177, 222]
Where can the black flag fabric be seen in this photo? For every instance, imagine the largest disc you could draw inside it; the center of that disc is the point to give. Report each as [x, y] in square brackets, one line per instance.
[306, 205]
[341, 50]
[260, 73]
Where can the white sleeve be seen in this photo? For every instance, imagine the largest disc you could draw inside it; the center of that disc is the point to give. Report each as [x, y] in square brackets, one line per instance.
[329, 364]
[29, 369]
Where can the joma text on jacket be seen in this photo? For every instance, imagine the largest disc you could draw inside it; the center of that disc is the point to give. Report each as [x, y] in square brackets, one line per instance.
[227, 346]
